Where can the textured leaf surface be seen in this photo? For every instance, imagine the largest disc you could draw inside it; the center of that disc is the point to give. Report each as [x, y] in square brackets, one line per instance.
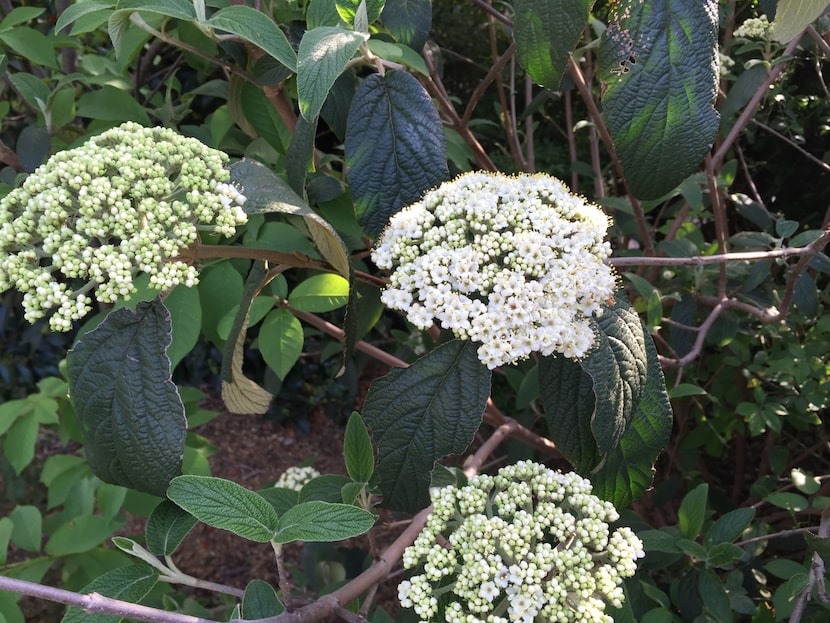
[260, 601]
[395, 147]
[224, 504]
[130, 584]
[266, 192]
[793, 16]
[629, 469]
[166, 528]
[322, 521]
[546, 31]
[422, 413]
[322, 57]
[256, 27]
[409, 21]
[129, 410]
[658, 63]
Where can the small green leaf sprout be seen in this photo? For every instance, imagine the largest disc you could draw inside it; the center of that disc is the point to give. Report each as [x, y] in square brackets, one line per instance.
[515, 263]
[528, 544]
[130, 200]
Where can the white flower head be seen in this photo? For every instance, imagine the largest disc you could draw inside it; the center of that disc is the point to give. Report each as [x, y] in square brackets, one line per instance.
[295, 477]
[129, 200]
[529, 543]
[515, 263]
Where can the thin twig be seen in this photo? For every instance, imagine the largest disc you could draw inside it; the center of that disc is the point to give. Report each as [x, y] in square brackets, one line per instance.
[792, 144]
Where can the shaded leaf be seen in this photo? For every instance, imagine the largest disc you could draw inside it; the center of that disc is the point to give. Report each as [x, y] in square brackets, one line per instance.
[260, 601]
[395, 147]
[357, 450]
[256, 27]
[692, 511]
[422, 413]
[348, 9]
[166, 528]
[409, 21]
[130, 584]
[224, 504]
[657, 60]
[129, 410]
[546, 32]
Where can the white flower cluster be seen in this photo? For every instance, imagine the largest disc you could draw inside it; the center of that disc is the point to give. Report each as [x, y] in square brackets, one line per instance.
[754, 28]
[126, 201]
[296, 477]
[512, 262]
[529, 544]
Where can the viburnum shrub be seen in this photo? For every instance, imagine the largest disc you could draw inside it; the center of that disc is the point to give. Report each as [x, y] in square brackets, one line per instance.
[528, 544]
[514, 263]
[128, 201]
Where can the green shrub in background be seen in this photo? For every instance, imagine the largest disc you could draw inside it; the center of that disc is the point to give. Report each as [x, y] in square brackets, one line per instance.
[335, 115]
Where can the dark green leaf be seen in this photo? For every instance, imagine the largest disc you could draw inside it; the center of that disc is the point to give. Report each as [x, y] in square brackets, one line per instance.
[125, 583]
[279, 498]
[166, 528]
[792, 502]
[423, 413]
[129, 409]
[32, 89]
[6, 527]
[546, 32]
[409, 21]
[357, 449]
[659, 541]
[260, 601]
[723, 555]
[714, 597]
[256, 27]
[281, 341]
[76, 11]
[224, 504]
[819, 545]
[692, 511]
[31, 44]
[322, 521]
[658, 63]
[33, 146]
[20, 15]
[300, 156]
[730, 526]
[628, 470]
[739, 95]
[325, 488]
[395, 147]
[805, 295]
[322, 57]
[186, 320]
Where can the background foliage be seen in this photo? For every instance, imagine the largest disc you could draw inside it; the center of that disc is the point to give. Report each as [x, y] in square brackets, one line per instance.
[340, 113]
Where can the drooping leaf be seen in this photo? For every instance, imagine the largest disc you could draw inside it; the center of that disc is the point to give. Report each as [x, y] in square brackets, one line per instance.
[186, 318]
[224, 504]
[657, 60]
[357, 450]
[409, 21]
[395, 147]
[323, 522]
[241, 394]
[422, 413]
[166, 528]
[129, 410]
[120, 19]
[321, 58]
[260, 601]
[256, 27]
[130, 584]
[629, 469]
[793, 16]
[546, 32]
[265, 192]
[281, 341]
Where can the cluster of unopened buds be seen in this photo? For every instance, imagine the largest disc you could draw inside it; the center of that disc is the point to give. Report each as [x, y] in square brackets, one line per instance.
[528, 544]
[754, 28]
[515, 263]
[130, 200]
[296, 477]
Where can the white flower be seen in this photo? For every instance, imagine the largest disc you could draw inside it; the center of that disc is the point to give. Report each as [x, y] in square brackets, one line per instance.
[529, 543]
[514, 263]
[296, 477]
[129, 200]
[755, 28]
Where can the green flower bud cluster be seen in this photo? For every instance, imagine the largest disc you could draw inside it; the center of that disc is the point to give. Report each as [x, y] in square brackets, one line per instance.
[129, 200]
[755, 28]
[296, 477]
[514, 263]
[528, 544]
